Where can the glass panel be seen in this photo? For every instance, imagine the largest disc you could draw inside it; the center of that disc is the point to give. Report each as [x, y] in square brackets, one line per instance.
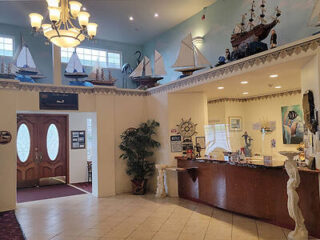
[23, 142]
[52, 142]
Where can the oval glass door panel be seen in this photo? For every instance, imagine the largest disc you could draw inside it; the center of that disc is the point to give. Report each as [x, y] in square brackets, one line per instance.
[52, 142]
[23, 142]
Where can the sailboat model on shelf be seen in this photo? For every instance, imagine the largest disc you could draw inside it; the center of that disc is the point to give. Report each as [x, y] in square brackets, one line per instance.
[74, 68]
[190, 59]
[143, 73]
[97, 77]
[27, 70]
[7, 71]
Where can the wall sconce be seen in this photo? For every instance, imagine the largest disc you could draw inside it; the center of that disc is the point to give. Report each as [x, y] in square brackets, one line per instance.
[197, 41]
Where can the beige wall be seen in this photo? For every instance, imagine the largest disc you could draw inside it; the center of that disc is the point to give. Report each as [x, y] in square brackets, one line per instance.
[252, 112]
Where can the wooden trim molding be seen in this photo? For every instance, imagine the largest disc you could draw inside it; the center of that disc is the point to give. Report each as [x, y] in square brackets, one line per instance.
[256, 98]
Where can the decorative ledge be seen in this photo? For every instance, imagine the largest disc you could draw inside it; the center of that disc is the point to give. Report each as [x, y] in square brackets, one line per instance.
[17, 85]
[287, 52]
[282, 94]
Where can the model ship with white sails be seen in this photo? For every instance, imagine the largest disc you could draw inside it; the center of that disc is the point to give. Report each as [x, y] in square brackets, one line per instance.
[190, 59]
[143, 73]
[97, 77]
[74, 68]
[26, 67]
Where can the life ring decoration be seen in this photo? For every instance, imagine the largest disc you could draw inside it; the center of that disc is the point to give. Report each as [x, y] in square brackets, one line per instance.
[187, 128]
[5, 137]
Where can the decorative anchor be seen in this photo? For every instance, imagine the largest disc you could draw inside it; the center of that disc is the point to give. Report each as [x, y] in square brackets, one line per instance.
[247, 140]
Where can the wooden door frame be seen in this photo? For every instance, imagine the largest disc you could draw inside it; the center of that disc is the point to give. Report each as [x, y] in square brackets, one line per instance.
[66, 116]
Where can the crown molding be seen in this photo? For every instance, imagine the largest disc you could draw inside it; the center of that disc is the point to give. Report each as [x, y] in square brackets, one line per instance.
[256, 98]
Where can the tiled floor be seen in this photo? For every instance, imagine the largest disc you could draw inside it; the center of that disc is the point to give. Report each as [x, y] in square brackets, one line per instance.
[136, 218]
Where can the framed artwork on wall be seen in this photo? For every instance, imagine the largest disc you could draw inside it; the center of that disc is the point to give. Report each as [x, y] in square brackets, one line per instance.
[292, 124]
[235, 123]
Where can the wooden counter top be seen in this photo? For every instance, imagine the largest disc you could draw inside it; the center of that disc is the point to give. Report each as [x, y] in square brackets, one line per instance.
[246, 163]
[257, 191]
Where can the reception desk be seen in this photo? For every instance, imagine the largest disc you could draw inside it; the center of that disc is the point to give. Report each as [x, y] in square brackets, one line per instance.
[250, 189]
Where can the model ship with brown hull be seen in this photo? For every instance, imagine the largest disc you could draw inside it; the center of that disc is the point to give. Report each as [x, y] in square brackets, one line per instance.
[97, 77]
[256, 29]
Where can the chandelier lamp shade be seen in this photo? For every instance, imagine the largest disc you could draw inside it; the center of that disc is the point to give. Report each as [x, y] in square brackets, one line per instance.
[63, 31]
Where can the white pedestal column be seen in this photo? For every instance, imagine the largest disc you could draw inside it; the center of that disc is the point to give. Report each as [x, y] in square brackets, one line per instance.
[161, 191]
[300, 232]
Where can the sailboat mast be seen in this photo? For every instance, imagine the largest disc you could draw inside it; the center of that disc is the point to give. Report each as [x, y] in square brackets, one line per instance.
[194, 56]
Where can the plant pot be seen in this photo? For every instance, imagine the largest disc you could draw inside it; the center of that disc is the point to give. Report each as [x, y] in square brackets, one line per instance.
[139, 187]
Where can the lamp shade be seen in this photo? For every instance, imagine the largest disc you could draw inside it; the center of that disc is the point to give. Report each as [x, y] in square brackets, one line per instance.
[35, 20]
[66, 38]
[83, 18]
[53, 3]
[54, 14]
[92, 29]
[75, 8]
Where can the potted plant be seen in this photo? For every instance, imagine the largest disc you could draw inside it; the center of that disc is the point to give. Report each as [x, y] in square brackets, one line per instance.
[137, 145]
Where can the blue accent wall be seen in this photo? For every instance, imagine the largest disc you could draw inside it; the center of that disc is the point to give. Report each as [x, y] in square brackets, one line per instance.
[221, 18]
[41, 52]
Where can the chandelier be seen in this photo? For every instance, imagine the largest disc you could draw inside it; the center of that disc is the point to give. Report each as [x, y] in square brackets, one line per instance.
[62, 31]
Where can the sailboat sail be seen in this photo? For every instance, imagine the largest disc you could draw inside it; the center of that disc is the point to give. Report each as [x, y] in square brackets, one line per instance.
[186, 54]
[25, 59]
[147, 67]
[200, 59]
[138, 71]
[159, 69]
[74, 65]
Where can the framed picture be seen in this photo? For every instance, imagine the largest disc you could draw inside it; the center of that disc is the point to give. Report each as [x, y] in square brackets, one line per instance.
[201, 141]
[292, 124]
[78, 139]
[235, 123]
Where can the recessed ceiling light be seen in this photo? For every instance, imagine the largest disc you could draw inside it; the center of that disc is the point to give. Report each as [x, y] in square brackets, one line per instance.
[84, 9]
[244, 82]
[277, 87]
[220, 88]
[274, 76]
[131, 18]
[156, 15]
[245, 93]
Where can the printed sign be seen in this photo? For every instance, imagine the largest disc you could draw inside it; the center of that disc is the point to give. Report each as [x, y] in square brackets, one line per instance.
[78, 140]
[176, 143]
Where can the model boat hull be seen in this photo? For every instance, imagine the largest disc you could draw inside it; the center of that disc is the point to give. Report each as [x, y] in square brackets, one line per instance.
[102, 82]
[76, 75]
[189, 71]
[147, 81]
[257, 34]
[7, 75]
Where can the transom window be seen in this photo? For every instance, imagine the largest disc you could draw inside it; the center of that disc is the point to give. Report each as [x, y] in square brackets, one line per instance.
[90, 57]
[6, 46]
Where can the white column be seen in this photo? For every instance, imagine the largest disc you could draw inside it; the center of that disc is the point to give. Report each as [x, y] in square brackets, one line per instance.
[56, 61]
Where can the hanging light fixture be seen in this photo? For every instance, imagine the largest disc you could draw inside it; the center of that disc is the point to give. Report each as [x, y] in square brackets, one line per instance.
[62, 31]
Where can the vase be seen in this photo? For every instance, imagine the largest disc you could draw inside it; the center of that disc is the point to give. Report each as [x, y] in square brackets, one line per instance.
[139, 187]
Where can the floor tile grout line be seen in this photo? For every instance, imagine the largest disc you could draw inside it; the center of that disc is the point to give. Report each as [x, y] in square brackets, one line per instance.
[257, 229]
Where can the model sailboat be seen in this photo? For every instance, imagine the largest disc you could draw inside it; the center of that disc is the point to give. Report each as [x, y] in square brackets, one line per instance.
[74, 68]
[27, 69]
[143, 73]
[97, 77]
[190, 59]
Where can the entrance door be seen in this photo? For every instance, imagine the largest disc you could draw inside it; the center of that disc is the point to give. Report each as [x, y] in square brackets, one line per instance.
[41, 149]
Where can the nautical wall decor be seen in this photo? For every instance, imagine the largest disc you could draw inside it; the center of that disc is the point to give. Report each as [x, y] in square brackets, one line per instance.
[143, 74]
[187, 128]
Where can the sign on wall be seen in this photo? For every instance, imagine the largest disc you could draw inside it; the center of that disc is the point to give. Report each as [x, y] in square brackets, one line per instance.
[176, 143]
[78, 139]
[58, 101]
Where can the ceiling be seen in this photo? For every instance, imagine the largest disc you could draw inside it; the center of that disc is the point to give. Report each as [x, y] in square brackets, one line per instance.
[259, 83]
[113, 16]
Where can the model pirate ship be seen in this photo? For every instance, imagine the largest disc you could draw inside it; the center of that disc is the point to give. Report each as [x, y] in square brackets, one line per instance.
[7, 71]
[190, 59]
[256, 29]
[143, 73]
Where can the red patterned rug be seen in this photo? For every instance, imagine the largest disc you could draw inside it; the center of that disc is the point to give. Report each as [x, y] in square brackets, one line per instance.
[46, 192]
[9, 227]
[87, 186]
